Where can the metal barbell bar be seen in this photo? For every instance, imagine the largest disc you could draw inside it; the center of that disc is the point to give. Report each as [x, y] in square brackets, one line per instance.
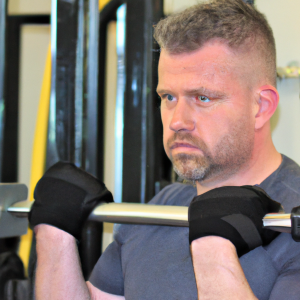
[132, 213]
[124, 213]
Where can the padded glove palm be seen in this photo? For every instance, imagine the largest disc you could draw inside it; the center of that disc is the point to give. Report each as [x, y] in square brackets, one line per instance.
[234, 213]
[65, 196]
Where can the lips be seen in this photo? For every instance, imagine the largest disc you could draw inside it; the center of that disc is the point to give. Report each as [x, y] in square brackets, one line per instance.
[182, 145]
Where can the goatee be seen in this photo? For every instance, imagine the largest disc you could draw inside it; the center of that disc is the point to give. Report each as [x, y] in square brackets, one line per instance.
[231, 152]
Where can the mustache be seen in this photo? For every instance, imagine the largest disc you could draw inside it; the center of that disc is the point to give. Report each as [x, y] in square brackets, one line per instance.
[187, 137]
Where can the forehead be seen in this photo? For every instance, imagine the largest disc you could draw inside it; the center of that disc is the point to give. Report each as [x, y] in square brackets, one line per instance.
[214, 63]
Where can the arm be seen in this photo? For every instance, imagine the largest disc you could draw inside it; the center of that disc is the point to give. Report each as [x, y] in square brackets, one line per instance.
[58, 274]
[64, 198]
[225, 223]
[218, 272]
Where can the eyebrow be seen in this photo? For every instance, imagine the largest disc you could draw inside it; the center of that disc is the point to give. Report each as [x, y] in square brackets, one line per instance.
[163, 91]
[206, 91]
[198, 91]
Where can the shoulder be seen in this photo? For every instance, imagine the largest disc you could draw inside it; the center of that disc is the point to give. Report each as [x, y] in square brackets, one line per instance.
[284, 184]
[175, 194]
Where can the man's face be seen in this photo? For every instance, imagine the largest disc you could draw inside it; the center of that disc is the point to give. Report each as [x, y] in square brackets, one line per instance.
[207, 109]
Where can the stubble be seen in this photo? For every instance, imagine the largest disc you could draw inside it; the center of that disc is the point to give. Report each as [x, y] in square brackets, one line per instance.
[231, 152]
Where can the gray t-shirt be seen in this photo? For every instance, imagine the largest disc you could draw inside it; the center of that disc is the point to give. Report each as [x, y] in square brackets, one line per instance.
[154, 262]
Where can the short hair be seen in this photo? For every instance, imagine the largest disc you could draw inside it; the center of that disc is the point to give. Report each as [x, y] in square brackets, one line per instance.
[233, 21]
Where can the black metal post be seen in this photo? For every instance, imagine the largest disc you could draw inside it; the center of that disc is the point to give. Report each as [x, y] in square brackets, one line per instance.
[73, 120]
[3, 9]
[67, 24]
[143, 154]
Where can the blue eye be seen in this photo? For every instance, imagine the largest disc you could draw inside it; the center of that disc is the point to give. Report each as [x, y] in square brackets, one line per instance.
[170, 97]
[203, 99]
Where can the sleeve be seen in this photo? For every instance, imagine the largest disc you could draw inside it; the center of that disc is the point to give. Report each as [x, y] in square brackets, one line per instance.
[287, 284]
[107, 274]
[260, 272]
[287, 259]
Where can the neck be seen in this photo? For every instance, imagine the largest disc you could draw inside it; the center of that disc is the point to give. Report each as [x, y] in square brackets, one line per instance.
[264, 161]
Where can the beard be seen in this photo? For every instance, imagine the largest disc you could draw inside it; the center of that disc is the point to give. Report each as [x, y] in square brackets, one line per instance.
[231, 152]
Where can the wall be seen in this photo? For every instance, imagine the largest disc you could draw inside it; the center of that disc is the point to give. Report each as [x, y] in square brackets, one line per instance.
[109, 121]
[284, 20]
[24, 7]
[34, 45]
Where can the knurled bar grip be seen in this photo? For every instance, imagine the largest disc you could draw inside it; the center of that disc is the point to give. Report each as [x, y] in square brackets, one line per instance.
[131, 213]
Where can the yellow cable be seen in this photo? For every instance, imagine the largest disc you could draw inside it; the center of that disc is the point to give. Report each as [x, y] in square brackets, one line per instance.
[39, 151]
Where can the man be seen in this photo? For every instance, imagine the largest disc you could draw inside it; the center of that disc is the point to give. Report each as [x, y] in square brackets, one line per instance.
[217, 82]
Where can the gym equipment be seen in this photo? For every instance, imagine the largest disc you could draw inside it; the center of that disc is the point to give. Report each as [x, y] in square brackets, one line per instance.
[2, 73]
[11, 226]
[147, 214]
[11, 270]
[14, 210]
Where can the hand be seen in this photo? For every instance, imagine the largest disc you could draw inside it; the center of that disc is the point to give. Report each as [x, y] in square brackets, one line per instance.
[65, 196]
[234, 213]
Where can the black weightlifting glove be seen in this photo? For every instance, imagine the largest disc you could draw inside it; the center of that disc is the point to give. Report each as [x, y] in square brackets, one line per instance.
[234, 213]
[65, 196]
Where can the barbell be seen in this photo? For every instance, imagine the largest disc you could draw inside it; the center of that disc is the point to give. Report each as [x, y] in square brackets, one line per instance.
[14, 209]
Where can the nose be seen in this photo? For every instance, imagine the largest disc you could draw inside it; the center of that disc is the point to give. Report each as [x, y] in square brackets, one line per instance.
[182, 119]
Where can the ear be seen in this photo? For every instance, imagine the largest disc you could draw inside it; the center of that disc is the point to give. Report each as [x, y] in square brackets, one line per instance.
[267, 104]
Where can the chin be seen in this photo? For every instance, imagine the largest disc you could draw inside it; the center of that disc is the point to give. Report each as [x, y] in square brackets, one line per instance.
[190, 172]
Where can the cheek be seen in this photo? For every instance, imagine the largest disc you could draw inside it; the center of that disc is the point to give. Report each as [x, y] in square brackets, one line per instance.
[214, 125]
[166, 130]
[211, 126]
[163, 116]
